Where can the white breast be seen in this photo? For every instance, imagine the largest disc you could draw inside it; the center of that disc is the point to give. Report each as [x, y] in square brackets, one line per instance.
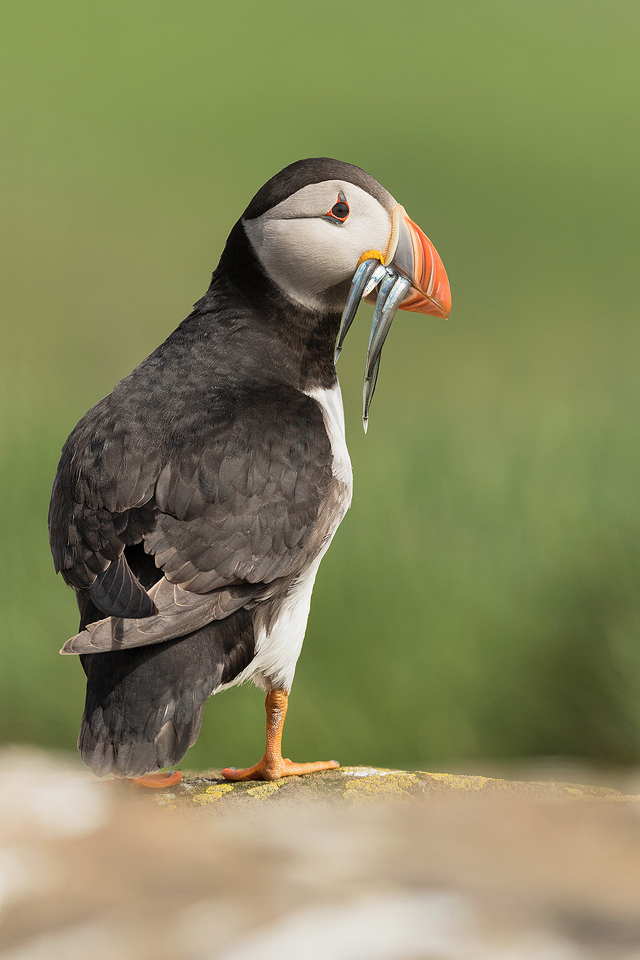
[330, 402]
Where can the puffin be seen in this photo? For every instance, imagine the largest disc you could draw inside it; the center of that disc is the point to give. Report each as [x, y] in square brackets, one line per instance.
[192, 506]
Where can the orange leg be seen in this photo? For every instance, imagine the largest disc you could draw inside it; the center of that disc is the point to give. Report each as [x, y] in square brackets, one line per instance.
[158, 780]
[273, 766]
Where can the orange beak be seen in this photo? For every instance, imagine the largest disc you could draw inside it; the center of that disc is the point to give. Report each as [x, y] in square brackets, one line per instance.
[418, 259]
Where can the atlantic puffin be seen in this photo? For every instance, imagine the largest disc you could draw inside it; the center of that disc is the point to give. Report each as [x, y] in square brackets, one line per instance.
[192, 506]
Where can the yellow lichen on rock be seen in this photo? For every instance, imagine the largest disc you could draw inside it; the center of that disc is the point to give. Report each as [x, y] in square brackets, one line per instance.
[459, 781]
[213, 793]
[368, 784]
[264, 790]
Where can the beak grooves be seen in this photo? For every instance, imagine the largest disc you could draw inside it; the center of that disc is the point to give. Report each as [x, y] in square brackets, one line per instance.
[431, 293]
[397, 215]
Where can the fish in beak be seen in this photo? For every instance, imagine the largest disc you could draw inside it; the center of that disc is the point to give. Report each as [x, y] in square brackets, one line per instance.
[409, 275]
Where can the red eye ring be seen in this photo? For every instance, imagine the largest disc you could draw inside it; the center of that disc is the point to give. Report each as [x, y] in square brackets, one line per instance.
[339, 211]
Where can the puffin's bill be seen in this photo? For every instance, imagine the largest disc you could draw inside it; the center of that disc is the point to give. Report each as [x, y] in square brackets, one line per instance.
[418, 259]
[359, 286]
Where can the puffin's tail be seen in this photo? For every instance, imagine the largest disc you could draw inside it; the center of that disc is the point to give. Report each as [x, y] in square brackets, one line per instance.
[144, 705]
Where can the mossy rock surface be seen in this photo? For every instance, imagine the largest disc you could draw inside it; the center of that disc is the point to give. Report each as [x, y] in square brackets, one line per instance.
[349, 785]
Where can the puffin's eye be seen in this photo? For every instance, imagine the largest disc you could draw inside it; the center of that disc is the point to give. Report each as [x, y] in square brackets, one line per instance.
[340, 210]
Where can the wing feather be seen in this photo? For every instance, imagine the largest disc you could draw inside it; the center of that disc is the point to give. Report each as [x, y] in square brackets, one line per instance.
[119, 593]
[178, 612]
[221, 502]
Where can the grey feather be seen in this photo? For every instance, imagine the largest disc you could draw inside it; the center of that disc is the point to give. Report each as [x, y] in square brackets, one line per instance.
[178, 612]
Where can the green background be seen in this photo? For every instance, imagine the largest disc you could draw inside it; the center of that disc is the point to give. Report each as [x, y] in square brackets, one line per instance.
[481, 599]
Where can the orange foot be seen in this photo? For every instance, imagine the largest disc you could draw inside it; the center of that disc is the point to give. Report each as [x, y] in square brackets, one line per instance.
[158, 781]
[275, 768]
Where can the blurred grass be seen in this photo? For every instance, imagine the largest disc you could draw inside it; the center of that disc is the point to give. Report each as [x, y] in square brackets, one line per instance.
[481, 598]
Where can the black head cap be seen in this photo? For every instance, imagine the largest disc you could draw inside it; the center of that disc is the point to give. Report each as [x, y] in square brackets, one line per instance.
[314, 170]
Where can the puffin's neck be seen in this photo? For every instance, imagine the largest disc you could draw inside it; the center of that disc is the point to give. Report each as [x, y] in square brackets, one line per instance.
[307, 336]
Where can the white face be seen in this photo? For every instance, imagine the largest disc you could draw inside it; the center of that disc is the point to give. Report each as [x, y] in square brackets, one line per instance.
[304, 253]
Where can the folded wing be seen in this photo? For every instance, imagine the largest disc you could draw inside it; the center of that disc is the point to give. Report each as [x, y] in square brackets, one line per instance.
[226, 508]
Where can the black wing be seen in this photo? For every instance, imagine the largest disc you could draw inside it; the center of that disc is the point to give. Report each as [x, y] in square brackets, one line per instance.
[223, 497]
[102, 502]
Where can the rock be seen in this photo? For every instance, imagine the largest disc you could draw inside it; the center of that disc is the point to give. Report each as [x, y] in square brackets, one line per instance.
[364, 785]
[354, 864]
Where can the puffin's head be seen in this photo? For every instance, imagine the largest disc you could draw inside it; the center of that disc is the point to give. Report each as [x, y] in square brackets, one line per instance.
[328, 234]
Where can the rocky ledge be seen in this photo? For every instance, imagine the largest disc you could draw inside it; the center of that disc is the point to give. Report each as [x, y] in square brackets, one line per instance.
[366, 785]
[359, 863]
